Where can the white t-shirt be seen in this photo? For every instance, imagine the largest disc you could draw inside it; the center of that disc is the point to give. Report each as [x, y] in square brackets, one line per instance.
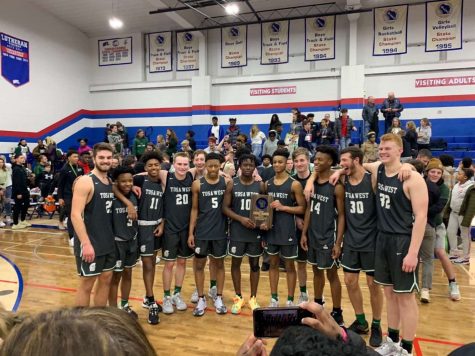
[215, 132]
[258, 138]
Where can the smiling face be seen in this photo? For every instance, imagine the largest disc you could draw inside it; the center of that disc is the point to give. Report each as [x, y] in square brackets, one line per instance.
[322, 162]
[347, 163]
[102, 160]
[212, 168]
[301, 163]
[279, 163]
[199, 161]
[389, 151]
[181, 165]
[125, 182]
[434, 175]
[152, 167]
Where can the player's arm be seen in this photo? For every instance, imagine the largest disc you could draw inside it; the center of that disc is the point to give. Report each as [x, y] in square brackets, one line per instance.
[297, 192]
[340, 228]
[306, 223]
[419, 197]
[131, 211]
[308, 191]
[82, 193]
[372, 167]
[195, 191]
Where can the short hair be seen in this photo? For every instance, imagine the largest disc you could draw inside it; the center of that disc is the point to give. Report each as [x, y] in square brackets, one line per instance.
[17, 155]
[245, 157]
[417, 164]
[214, 118]
[199, 152]
[214, 155]
[467, 162]
[128, 160]
[282, 152]
[111, 126]
[305, 122]
[266, 156]
[84, 153]
[310, 115]
[329, 150]
[72, 152]
[468, 173]
[344, 110]
[424, 152]
[299, 151]
[447, 160]
[147, 156]
[390, 137]
[354, 152]
[181, 154]
[121, 170]
[101, 146]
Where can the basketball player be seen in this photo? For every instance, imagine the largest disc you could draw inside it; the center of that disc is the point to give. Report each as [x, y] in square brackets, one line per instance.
[177, 208]
[325, 218]
[91, 215]
[125, 233]
[245, 237]
[281, 239]
[207, 231]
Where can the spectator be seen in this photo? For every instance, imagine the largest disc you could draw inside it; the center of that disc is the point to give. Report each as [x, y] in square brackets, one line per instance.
[229, 169]
[406, 154]
[115, 139]
[257, 139]
[151, 147]
[281, 145]
[212, 147]
[326, 135]
[83, 146]
[6, 187]
[370, 149]
[53, 153]
[424, 133]
[190, 134]
[216, 130]
[161, 144]
[185, 147]
[107, 132]
[40, 149]
[22, 148]
[122, 131]
[129, 161]
[44, 180]
[424, 156]
[296, 121]
[225, 146]
[395, 126]
[233, 131]
[241, 143]
[266, 163]
[391, 108]
[370, 117]
[449, 170]
[411, 137]
[42, 160]
[306, 137]
[279, 128]
[85, 162]
[343, 126]
[274, 120]
[20, 192]
[140, 142]
[271, 144]
[466, 162]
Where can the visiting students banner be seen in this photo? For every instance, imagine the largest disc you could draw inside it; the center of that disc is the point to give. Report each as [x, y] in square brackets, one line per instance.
[444, 25]
[160, 52]
[275, 42]
[234, 46]
[390, 30]
[320, 38]
[187, 51]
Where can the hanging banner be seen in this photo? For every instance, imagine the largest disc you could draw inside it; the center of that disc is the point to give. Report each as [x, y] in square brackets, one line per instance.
[275, 42]
[115, 51]
[444, 25]
[187, 51]
[234, 46]
[160, 52]
[320, 38]
[390, 30]
[15, 59]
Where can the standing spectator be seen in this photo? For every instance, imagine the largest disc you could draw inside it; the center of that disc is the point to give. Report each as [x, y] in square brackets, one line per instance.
[233, 131]
[406, 154]
[40, 149]
[6, 187]
[370, 149]
[257, 139]
[85, 162]
[271, 144]
[122, 131]
[190, 134]
[326, 135]
[424, 133]
[115, 139]
[216, 130]
[20, 193]
[395, 126]
[296, 121]
[54, 155]
[279, 130]
[107, 132]
[343, 126]
[306, 137]
[83, 146]
[22, 148]
[161, 144]
[411, 137]
[172, 142]
[370, 117]
[140, 142]
[449, 170]
[391, 108]
[274, 120]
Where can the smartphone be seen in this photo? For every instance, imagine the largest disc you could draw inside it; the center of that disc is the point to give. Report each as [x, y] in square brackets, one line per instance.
[271, 322]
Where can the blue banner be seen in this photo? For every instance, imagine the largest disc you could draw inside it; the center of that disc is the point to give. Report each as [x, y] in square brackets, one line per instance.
[15, 59]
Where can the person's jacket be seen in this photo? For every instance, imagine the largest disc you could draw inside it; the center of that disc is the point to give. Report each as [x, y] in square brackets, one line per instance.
[370, 113]
[349, 127]
[67, 176]
[221, 132]
[20, 180]
[467, 210]
[393, 104]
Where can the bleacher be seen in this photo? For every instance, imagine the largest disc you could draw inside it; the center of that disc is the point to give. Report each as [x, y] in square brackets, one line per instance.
[458, 147]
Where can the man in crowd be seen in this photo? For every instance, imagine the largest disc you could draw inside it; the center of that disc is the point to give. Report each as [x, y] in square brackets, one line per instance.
[391, 108]
[370, 117]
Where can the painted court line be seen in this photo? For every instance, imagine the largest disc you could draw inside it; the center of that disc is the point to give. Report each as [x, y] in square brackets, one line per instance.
[19, 282]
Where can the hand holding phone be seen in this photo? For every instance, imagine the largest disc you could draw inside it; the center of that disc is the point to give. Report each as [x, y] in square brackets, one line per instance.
[271, 322]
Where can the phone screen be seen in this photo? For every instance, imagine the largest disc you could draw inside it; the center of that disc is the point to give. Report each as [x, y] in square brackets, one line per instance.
[271, 322]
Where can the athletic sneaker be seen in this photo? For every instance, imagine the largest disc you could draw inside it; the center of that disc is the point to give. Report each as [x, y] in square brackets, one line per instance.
[18, 227]
[9, 221]
[462, 261]
[178, 301]
[425, 296]
[453, 255]
[274, 303]
[359, 328]
[401, 352]
[200, 307]
[338, 316]
[237, 305]
[25, 223]
[376, 337]
[129, 311]
[194, 296]
[219, 305]
[167, 305]
[289, 303]
[153, 311]
[71, 242]
[253, 304]
[303, 297]
[213, 292]
[389, 347]
[454, 291]
[146, 304]
[2, 224]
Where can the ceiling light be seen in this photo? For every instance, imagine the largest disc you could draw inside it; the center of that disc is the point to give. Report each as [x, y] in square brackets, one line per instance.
[232, 9]
[115, 23]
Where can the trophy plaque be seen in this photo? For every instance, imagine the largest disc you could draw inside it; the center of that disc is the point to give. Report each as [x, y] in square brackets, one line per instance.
[261, 212]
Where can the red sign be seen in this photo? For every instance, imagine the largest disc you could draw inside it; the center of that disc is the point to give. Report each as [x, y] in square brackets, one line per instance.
[273, 91]
[445, 81]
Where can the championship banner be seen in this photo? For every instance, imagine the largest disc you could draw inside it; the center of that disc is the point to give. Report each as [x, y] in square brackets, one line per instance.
[234, 46]
[160, 52]
[275, 42]
[115, 51]
[444, 25]
[187, 51]
[320, 38]
[390, 30]
[15, 59]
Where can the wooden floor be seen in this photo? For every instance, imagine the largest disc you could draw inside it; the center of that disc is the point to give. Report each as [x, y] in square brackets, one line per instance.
[47, 266]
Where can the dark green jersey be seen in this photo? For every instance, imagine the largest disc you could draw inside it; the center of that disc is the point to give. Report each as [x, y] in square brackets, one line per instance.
[241, 205]
[211, 223]
[124, 228]
[151, 199]
[394, 208]
[177, 203]
[360, 213]
[322, 215]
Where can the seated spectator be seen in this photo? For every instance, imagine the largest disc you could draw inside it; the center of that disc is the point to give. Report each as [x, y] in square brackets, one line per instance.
[466, 162]
[40, 149]
[212, 147]
[151, 147]
[424, 134]
[271, 144]
[190, 134]
[229, 169]
[411, 137]
[281, 145]
[39, 167]
[129, 161]
[44, 180]
[140, 143]
[185, 147]
[86, 162]
[395, 127]
[257, 139]
[306, 137]
[115, 139]
[83, 146]
[241, 142]
[370, 148]
[449, 170]
[424, 155]
[279, 129]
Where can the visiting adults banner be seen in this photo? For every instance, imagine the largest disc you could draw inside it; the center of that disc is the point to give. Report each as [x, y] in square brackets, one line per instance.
[234, 46]
[444, 25]
[320, 38]
[275, 42]
[390, 30]
[187, 51]
[115, 51]
[15, 54]
[160, 52]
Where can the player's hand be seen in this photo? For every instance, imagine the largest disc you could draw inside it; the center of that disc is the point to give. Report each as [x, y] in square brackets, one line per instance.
[159, 230]
[303, 242]
[264, 227]
[299, 222]
[247, 223]
[335, 177]
[88, 255]
[61, 202]
[19, 196]
[191, 241]
[252, 347]
[409, 263]
[336, 251]
[264, 244]
[131, 212]
[277, 205]
[405, 172]
[308, 191]
[257, 178]
[137, 191]
[322, 322]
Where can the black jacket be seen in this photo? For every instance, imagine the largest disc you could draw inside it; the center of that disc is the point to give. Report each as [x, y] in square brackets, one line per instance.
[67, 176]
[19, 180]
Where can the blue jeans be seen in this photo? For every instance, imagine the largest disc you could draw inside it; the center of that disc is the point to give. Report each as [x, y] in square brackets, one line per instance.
[257, 149]
[366, 129]
[344, 142]
[8, 201]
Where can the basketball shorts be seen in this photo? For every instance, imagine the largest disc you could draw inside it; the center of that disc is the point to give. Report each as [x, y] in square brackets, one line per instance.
[240, 249]
[100, 264]
[148, 242]
[213, 248]
[302, 255]
[356, 261]
[126, 254]
[320, 255]
[285, 251]
[175, 245]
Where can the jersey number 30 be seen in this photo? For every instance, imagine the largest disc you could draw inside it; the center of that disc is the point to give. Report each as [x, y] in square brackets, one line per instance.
[356, 207]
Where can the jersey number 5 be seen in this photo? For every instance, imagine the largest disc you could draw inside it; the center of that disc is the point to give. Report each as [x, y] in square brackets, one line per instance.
[214, 202]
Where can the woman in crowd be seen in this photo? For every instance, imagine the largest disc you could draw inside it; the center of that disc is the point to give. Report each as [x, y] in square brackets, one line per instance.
[274, 121]
[424, 133]
[83, 146]
[6, 190]
[140, 142]
[411, 137]
[161, 144]
[257, 139]
[395, 127]
[172, 142]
